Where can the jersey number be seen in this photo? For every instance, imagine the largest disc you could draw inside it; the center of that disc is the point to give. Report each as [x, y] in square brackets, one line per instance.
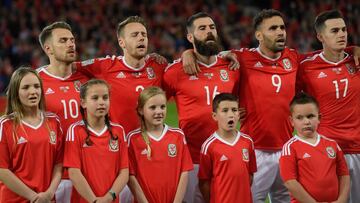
[276, 82]
[336, 84]
[72, 107]
[209, 98]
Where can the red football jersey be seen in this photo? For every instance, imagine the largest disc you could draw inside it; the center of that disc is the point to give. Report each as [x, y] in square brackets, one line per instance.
[159, 177]
[336, 86]
[126, 84]
[101, 162]
[62, 95]
[228, 166]
[194, 95]
[266, 89]
[315, 166]
[30, 153]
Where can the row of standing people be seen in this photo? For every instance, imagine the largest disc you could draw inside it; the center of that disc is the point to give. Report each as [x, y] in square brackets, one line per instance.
[270, 63]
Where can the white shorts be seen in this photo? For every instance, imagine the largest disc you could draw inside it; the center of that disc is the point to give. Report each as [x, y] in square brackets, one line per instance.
[63, 192]
[353, 162]
[126, 195]
[267, 180]
[193, 194]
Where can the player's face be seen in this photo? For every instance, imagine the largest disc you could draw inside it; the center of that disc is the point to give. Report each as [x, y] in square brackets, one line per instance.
[272, 34]
[96, 101]
[227, 115]
[61, 45]
[134, 41]
[334, 34]
[204, 37]
[154, 111]
[305, 119]
[30, 91]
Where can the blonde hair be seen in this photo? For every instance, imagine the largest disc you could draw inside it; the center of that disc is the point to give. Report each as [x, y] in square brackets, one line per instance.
[144, 96]
[14, 108]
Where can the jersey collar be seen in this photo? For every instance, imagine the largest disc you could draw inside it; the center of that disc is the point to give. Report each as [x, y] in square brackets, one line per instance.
[98, 134]
[208, 65]
[306, 142]
[226, 142]
[166, 127]
[37, 126]
[130, 67]
[268, 58]
[333, 63]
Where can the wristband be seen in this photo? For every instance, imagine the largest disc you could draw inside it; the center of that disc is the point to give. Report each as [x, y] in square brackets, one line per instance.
[113, 195]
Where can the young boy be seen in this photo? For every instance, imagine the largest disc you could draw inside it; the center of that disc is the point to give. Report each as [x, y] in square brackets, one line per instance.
[312, 166]
[227, 159]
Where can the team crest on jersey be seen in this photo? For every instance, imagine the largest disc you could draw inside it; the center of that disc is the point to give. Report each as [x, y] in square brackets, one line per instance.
[171, 150]
[113, 145]
[224, 76]
[330, 152]
[287, 64]
[52, 136]
[77, 85]
[245, 154]
[350, 68]
[150, 72]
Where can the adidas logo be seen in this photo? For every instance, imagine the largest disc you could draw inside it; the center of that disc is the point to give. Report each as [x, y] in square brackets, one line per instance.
[223, 158]
[193, 77]
[258, 65]
[121, 75]
[49, 91]
[21, 140]
[322, 75]
[306, 155]
[144, 152]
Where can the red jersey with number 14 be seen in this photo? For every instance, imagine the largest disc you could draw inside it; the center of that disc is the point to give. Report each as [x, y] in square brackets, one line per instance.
[336, 86]
[194, 95]
[266, 89]
[126, 83]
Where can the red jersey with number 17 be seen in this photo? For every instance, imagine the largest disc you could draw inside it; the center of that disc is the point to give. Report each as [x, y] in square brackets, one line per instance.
[194, 95]
[336, 86]
[126, 83]
[266, 89]
[62, 95]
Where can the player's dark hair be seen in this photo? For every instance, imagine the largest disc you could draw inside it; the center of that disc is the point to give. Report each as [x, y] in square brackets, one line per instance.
[130, 19]
[191, 19]
[265, 14]
[144, 96]
[222, 97]
[324, 16]
[83, 91]
[303, 98]
[47, 31]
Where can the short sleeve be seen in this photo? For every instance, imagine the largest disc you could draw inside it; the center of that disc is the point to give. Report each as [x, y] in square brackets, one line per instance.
[341, 166]
[252, 161]
[4, 148]
[124, 157]
[60, 144]
[186, 162]
[72, 148]
[288, 166]
[205, 168]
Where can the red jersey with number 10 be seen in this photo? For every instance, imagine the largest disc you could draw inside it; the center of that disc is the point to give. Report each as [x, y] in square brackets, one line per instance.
[266, 89]
[336, 86]
[194, 95]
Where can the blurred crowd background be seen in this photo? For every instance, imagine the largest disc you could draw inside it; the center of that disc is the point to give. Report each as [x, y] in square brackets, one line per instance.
[94, 23]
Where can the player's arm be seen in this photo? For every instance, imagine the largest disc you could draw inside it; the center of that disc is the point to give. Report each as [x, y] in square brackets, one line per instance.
[298, 191]
[157, 57]
[204, 186]
[181, 189]
[16, 185]
[191, 67]
[117, 186]
[81, 185]
[344, 189]
[136, 190]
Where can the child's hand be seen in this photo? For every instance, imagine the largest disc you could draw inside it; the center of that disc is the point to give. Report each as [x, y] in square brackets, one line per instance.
[43, 197]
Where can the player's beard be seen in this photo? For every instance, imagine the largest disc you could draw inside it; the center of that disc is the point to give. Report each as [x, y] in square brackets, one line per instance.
[207, 48]
[272, 45]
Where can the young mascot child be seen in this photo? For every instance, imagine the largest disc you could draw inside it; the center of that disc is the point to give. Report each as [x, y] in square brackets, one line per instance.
[227, 159]
[96, 152]
[158, 154]
[31, 146]
[312, 166]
